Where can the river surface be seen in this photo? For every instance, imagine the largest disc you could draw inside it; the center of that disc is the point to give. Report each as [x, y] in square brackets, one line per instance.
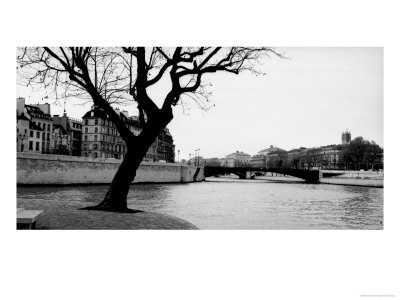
[236, 204]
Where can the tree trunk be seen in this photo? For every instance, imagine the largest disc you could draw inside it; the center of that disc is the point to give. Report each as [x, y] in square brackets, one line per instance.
[116, 197]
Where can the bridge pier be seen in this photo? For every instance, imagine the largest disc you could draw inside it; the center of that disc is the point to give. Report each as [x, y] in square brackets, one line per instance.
[314, 176]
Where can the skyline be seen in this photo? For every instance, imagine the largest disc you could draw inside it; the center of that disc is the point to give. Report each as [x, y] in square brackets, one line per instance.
[338, 89]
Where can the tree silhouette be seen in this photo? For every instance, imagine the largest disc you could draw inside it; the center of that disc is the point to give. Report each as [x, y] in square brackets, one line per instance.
[108, 76]
[361, 151]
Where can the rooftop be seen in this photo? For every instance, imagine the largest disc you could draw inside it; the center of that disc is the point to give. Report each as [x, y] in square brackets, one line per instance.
[270, 149]
[22, 117]
[36, 112]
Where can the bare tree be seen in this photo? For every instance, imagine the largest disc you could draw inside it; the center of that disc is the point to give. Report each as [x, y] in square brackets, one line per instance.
[115, 75]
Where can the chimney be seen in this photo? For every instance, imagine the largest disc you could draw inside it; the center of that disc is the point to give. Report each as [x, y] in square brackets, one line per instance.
[20, 105]
[45, 108]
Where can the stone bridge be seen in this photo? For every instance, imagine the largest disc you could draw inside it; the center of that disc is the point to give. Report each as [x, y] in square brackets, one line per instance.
[310, 176]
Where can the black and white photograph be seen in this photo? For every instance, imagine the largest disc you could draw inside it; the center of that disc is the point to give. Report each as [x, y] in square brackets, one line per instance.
[148, 138]
[200, 150]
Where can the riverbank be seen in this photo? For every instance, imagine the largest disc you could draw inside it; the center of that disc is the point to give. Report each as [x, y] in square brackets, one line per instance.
[35, 169]
[369, 182]
[67, 215]
[346, 179]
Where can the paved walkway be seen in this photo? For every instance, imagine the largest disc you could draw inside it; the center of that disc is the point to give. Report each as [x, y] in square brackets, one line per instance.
[70, 217]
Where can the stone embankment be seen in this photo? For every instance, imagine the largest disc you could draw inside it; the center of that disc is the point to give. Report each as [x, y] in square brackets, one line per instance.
[46, 169]
[355, 178]
[358, 178]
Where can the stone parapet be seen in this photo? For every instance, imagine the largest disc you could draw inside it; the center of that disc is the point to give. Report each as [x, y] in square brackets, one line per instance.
[48, 169]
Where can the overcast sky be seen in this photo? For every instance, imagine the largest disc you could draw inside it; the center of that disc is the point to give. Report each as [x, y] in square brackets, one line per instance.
[306, 100]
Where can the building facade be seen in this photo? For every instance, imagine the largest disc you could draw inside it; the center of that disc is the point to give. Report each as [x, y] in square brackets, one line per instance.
[236, 159]
[101, 139]
[74, 129]
[22, 133]
[62, 141]
[324, 157]
[263, 157]
[35, 138]
[40, 125]
[258, 161]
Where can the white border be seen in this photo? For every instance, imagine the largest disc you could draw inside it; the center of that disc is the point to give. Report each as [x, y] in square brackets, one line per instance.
[205, 264]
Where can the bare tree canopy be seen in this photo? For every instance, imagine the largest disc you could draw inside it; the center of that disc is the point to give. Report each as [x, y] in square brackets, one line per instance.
[108, 76]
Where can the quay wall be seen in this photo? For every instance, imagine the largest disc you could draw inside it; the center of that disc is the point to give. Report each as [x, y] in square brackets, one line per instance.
[48, 169]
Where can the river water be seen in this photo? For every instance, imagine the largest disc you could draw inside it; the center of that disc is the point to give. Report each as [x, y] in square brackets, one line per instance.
[237, 204]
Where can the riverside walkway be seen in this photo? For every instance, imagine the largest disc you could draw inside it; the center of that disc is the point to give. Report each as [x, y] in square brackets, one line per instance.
[69, 216]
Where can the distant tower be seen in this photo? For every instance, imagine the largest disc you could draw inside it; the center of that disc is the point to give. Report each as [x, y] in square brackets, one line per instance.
[346, 137]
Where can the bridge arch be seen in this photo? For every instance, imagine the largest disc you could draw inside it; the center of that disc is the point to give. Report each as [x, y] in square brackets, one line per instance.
[310, 176]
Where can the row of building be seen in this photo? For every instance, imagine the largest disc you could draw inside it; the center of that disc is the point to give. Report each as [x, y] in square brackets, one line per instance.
[326, 157]
[94, 136]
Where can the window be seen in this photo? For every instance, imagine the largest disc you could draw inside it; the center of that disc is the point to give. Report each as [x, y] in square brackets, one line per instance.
[85, 138]
[86, 122]
[44, 126]
[48, 136]
[86, 130]
[25, 131]
[95, 138]
[94, 154]
[30, 145]
[40, 124]
[48, 127]
[37, 146]
[95, 146]
[96, 121]
[38, 135]
[96, 129]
